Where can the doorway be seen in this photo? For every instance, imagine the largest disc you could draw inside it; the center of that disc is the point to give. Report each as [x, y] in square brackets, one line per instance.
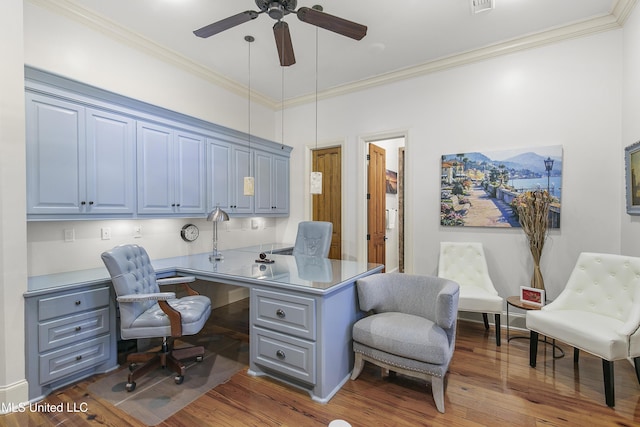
[386, 202]
[328, 205]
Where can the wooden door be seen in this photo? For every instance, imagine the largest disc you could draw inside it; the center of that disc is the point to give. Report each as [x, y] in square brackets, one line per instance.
[376, 192]
[328, 205]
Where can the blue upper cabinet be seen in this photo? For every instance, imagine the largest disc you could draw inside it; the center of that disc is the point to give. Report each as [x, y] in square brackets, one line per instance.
[272, 183]
[94, 154]
[171, 171]
[110, 163]
[80, 160]
[228, 164]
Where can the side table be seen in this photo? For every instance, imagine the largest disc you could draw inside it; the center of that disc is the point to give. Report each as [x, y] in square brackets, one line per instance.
[514, 301]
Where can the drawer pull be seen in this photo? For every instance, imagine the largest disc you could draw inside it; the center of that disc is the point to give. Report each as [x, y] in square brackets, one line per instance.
[280, 313]
[79, 357]
[280, 354]
[78, 328]
[78, 302]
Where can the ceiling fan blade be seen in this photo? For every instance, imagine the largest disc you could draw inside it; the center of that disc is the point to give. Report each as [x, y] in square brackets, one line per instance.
[284, 44]
[225, 24]
[332, 23]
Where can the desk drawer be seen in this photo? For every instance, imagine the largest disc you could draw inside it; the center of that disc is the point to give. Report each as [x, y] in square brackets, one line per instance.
[287, 355]
[68, 360]
[284, 313]
[68, 330]
[72, 303]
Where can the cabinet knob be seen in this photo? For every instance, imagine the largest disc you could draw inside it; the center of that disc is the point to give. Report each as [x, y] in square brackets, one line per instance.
[280, 313]
[83, 203]
[280, 354]
[79, 357]
[78, 302]
[91, 202]
[78, 328]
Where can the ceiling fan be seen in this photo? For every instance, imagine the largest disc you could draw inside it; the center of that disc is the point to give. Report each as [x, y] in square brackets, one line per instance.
[278, 10]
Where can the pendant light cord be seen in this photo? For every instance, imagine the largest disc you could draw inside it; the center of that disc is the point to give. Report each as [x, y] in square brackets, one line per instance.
[316, 154]
[249, 39]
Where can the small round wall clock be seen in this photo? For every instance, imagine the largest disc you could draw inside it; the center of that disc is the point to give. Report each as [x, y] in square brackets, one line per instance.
[189, 233]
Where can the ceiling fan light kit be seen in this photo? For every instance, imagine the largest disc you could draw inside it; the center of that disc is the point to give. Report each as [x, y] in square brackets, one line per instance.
[278, 10]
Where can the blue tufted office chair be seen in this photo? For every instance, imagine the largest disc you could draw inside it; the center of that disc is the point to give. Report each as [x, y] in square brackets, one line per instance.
[145, 312]
[412, 330]
[313, 238]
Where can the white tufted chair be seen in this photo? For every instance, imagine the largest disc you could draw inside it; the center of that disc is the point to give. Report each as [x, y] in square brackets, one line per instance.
[145, 312]
[598, 312]
[465, 263]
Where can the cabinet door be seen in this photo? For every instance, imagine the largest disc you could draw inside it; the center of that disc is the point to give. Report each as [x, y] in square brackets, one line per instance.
[272, 183]
[110, 149]
[219, 174]
[264, 171]
[280, 189]
[241, 161]
[190, 173]
[55, 156]
[155, 169]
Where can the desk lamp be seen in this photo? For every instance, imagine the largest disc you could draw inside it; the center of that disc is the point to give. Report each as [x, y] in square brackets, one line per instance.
[217, 215]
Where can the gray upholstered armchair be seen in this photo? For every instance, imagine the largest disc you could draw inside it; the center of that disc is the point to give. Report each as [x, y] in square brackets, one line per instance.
[145, 312]
[412, 328]
[313, 238]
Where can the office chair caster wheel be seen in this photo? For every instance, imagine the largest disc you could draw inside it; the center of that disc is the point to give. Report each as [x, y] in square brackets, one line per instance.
[199, 358]
[130, 386]
[178, 379]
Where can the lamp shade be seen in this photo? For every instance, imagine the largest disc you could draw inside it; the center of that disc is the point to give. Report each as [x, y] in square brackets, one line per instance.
[218, 215]
[315, 183]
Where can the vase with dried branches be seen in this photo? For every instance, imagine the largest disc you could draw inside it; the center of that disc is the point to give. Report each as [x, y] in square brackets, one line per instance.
[533, 214]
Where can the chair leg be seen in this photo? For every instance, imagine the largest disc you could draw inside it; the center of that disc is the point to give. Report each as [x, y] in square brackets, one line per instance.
[497, 317]
[486, 320]
[636, 364]
[576, 354]
[437, 388]
[607, 370]
[357, 366]
[533, 348]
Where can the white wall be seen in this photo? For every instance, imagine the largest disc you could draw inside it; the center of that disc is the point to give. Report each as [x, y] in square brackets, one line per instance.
[13, 272]
[567, 93]
[630, 228]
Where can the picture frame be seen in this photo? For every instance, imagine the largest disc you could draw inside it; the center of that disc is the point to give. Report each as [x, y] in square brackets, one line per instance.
[532, 296]
[632, 178]
[391, 182]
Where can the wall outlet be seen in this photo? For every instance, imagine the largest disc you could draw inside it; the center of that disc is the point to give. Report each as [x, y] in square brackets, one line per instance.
[69, 235]
[106, 233]
[137, 231]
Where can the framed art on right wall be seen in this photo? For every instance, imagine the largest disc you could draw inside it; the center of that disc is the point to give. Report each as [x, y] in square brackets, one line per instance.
[632, 177]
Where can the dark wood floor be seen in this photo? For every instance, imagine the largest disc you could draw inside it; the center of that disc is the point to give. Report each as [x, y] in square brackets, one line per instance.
[487, 386]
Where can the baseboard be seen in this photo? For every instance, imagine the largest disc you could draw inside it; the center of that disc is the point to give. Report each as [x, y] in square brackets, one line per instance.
[14, 397]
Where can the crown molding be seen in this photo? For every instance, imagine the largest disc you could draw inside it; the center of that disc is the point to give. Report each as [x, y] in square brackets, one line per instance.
[621, 10]
[615, 20]
[136, 41]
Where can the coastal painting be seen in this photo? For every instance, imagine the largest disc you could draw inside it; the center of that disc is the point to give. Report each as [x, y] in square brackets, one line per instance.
[480, 189]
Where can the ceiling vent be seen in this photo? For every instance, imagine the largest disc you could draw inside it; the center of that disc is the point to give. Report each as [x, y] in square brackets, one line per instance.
[478, 6]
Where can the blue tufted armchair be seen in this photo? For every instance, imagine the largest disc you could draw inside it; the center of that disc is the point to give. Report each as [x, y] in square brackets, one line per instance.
[145, 312]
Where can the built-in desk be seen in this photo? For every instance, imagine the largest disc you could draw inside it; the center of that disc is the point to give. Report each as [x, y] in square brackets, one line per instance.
[301, 313]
